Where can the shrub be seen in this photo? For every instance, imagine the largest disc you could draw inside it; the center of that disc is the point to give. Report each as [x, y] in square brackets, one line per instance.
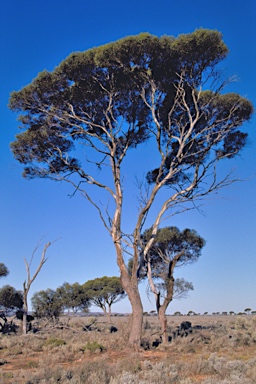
[32, 364]
[55, 342]
[93, 347]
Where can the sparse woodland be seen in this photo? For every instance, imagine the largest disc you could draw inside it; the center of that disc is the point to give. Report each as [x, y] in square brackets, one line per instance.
[167, 93]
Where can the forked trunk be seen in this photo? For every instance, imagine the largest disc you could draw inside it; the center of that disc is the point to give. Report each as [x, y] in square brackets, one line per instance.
[130, 285]
[107, 314]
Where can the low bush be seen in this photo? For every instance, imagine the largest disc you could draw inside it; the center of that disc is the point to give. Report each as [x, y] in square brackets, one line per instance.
[55, 342]
[93, 346]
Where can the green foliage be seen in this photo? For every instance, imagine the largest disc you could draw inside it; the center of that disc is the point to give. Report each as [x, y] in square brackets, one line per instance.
[3, 270]
[73, 297]
[181, 288]
[172, 244]
[104, 291]
[171, 248]
[120, 70]
[11, 300]
[47, 304]
[93, 346]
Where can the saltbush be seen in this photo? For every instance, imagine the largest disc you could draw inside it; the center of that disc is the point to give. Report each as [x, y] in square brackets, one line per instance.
[93, 347]
[55, 342]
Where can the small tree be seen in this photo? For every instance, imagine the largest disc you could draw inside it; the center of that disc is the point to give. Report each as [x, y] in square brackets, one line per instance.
[11, 301]
[73, 297]
[47, 304]
[103, 292]
[171, 248]
[27, 283]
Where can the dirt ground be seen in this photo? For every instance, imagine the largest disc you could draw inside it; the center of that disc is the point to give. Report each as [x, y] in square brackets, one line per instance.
[226, 336]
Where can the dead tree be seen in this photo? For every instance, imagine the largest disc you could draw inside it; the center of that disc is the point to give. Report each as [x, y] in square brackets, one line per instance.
[27, 283]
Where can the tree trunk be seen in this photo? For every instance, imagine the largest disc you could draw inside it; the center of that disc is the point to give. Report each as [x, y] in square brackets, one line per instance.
[24, 319]
[25, 309]
[24, 323]
[131, 288]
[109, 314]
[163, 323]
[129, 283]
[161, 309]
[137, 320]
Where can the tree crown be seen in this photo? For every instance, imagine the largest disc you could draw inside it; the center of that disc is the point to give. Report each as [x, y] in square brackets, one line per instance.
[10, 299]
[172, 246]
[104, 290]
[3, 270]
[107, 93]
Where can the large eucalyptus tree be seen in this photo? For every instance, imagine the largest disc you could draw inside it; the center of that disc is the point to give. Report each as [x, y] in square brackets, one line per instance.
[165, 91]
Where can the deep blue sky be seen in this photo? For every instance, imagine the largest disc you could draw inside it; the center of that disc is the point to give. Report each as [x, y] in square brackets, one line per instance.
[37, 35]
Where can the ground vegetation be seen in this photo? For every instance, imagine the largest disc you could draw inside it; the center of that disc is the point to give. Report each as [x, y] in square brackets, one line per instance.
[201, 349]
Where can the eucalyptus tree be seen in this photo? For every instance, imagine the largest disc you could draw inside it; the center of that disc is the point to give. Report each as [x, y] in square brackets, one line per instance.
[103, 292]
[73, 297]
[171, 249]
[109, 101]
[11, 301]
[47, 304]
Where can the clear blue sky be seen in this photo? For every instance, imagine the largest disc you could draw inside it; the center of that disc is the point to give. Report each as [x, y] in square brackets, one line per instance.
[37, 35]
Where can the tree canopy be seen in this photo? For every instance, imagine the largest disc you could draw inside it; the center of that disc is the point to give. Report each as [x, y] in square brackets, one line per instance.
[47, 304]
[171, 248]
[73, 297]
[3, 270]
[103, 292]
[141, 81]
[164, 91]
[11, 300]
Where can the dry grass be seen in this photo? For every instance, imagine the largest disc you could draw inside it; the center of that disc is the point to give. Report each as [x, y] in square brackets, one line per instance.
[218, 350]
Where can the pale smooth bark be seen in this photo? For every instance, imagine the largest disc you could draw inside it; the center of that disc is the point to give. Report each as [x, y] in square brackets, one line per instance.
[27, 283]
